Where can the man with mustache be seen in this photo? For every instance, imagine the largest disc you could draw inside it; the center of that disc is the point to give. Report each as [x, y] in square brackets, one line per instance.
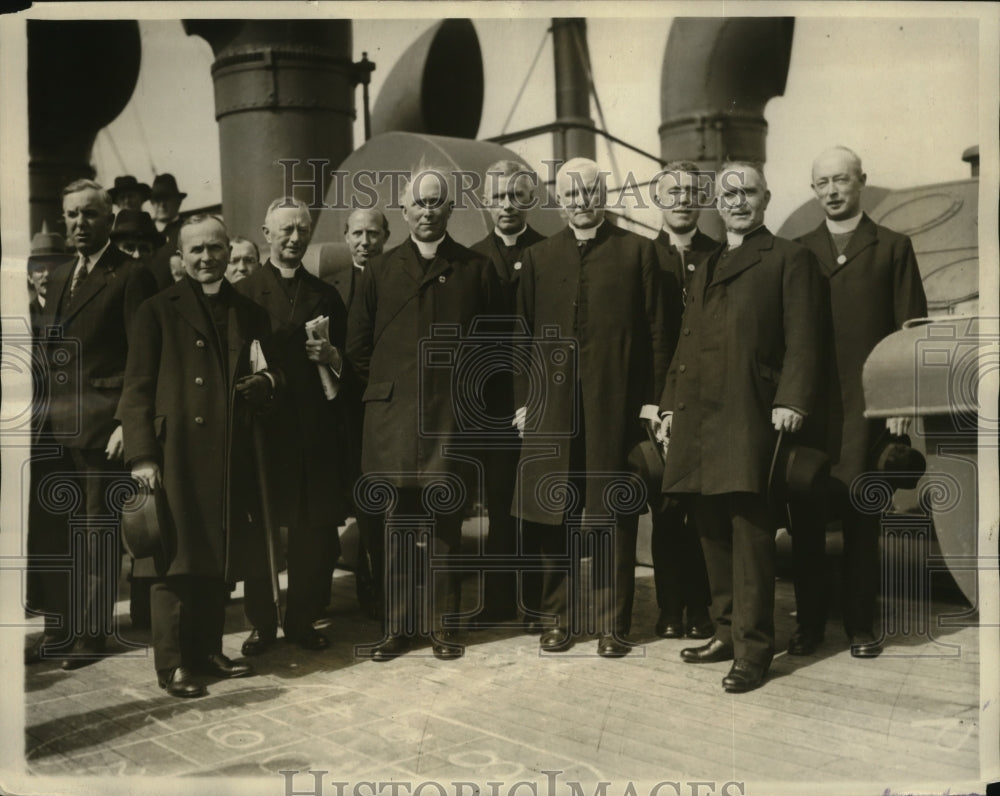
[309, 478]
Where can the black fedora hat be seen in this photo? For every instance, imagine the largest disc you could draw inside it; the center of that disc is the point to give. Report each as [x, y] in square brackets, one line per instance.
[797, 471]
[47, 249]
[128, 183]
[900, 464]
[164, 187]
[136, 224]
[145, 524]
[646, 461]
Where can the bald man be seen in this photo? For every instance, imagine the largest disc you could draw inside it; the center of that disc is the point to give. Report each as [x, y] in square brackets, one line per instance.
[875, 287]
[593, 301]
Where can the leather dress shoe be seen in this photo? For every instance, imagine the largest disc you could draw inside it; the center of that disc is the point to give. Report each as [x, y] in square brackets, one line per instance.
[180, 682]
[701, 628]
[804, 641]
[556, 639]
[713, 652]
[84, 653]
[744, 676]
[392, 647]
[609, 646]
[258, 641]
[865, 645]
[667, 627]
[219, 665]
[445, 648]
[312, 640]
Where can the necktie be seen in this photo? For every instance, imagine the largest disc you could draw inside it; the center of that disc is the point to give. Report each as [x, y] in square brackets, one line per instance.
[78, 276]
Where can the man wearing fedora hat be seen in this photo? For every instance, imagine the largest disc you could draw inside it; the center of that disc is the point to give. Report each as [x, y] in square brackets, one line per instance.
[745, 369]
[874, 287]
[128, 193]
[135, 234]
[165, 200]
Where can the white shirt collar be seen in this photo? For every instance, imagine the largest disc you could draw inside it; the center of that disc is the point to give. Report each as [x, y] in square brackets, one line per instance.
[680, 239]
[510, 240]
[847, 225]
[211, 288]
[93, 258]
[735, 239]
[586, 234]
[40, 299]
[287, 273]
[427, 249]
[359, 266]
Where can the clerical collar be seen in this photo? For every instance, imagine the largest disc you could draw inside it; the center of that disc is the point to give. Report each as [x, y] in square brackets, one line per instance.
[509, 240]
[211, 288]
[287, 273]
[845, 226]
[359, 266]
[586, 234]
[428, 249]
[680, 240]
[735, 239]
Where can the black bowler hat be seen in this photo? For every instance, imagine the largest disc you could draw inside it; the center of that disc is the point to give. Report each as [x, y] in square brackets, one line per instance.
[128, 183]
[900, 464]
[797, 471]
[136, 224]
[145, 523]
[165, 187]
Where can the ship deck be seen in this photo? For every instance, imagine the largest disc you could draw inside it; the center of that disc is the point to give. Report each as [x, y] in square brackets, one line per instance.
[504, 713]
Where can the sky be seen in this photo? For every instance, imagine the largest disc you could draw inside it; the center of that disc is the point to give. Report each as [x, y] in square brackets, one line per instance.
[902, 92]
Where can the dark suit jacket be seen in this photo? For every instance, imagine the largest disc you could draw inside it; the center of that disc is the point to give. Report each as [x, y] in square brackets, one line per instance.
[345, 278]
[596, 322]
[872, 293]
[751, 339]
[307, 431]
[670, 259]
[179, 409]
[414, 405]
[87, 367]
[159, 265]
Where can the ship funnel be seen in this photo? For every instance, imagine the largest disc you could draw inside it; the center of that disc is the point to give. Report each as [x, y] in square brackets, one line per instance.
[436, 87]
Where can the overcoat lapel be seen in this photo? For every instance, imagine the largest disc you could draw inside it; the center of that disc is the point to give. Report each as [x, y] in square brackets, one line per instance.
[864, 236]
[188, 306]
[747, 255]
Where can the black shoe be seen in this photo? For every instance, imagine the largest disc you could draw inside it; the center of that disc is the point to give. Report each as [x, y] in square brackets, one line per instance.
[180, 682]
[392, 647]
[84, 653]
[744, 676]
[556, 639]
[713, 652]
[865, 645]
[669, 627]
[219, 665]
[610, 647]
[701, 627]
[804, 642]
[311, 640]
[444, 647]
[258, 641]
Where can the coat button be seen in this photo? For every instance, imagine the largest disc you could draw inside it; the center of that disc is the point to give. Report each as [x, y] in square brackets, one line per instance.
[199, 343]
[199, 380]
[200, 420]
[687, 332]
[680, 405]
[683, 368]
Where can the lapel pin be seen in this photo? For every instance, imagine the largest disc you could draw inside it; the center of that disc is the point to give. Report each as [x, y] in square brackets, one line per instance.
[690, 266]
[841, 259]
[441, 279]
[517, 266]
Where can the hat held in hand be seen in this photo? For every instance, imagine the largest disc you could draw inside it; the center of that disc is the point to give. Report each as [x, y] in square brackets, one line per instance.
[900, 464]
[797, 471]
[145, 520]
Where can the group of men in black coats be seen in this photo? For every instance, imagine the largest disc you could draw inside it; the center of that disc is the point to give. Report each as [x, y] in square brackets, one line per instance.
[525, 369]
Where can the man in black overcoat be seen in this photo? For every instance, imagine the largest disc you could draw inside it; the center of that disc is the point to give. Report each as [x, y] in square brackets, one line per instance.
[874, 288]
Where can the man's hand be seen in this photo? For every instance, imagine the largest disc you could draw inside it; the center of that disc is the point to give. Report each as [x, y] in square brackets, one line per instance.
[255, 389]
[897, 426]
[785, 419]
[116, 445]
[520, 417]
[147, 472]
[325, 353]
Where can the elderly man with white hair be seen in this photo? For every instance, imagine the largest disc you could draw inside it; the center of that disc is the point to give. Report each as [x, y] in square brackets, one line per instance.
[592, 298]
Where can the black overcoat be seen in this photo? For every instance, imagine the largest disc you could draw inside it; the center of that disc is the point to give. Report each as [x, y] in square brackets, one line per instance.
[179, 409]
[751, 339]
[873, 291]
[598, 341]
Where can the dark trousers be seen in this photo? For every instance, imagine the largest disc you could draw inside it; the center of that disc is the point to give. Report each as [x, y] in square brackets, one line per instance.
[737, 538]
[612, 553]
[49, 575]
[312, 556]
[500, 586]
[861, 562]
[679, 564]
[188, 615]
[370, 574]
[420, 588]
